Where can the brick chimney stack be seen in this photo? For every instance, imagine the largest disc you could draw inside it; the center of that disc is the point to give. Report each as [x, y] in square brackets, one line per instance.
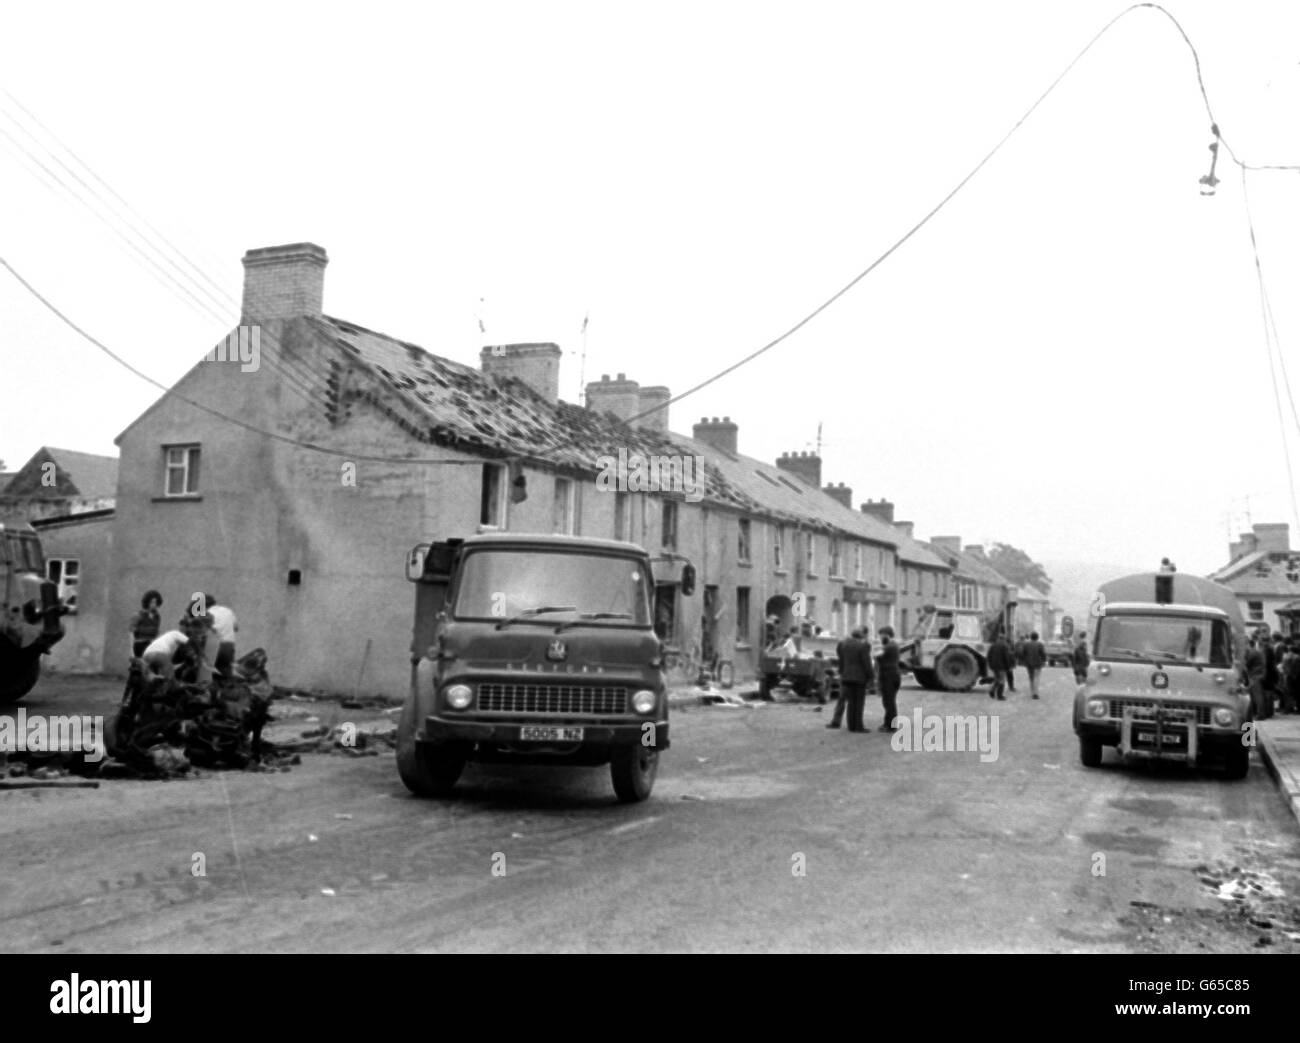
[804, 465]
[283, 282]
[948, 543]
[721, 434]
[906, 528]
[537, 365]
[840, 492]
[884, 510]
[655, 398]
[1274, 537]
[622, 397]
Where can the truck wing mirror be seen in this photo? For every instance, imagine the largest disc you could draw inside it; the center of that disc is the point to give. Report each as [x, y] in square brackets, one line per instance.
[688, 579]
[415, 562]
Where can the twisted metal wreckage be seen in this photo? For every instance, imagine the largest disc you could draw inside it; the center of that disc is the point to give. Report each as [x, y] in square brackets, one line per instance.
[165, 725]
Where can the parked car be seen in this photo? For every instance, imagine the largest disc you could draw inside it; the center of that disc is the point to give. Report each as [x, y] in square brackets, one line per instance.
[1058, 653]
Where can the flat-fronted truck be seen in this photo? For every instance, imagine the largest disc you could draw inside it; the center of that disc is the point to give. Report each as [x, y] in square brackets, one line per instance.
[1166, 677]
[534, 649]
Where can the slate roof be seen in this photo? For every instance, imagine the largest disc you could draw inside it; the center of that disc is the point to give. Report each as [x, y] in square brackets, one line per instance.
[451, 404]
[970, 566]
[1260, 572]
[85, 475]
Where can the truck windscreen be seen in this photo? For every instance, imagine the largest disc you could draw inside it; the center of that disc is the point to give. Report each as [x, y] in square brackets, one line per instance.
[1164, 639]
[508, 584]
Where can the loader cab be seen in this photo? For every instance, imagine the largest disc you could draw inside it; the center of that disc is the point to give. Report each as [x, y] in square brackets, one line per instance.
[31, 622]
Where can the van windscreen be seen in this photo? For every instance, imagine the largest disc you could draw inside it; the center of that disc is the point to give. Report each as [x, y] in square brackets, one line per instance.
[1173, 639]
[508, 584]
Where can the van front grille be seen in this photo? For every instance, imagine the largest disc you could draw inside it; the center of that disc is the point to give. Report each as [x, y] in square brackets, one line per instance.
[551, 698]
[1146, 708]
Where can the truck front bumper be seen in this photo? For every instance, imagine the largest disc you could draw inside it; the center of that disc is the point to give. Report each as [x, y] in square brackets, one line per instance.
[602, 733]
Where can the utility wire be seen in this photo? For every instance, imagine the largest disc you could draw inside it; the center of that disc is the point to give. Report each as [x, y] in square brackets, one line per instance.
[180, 281]
[297, 443]
[857, 278]
[1270, 345]
[957, 188]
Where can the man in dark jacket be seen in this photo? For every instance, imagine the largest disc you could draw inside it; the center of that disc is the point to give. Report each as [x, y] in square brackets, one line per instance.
[843, 699]
[891, 677]
[856, 673]
[1079, 659]
[1000, 661]
[1033, 654]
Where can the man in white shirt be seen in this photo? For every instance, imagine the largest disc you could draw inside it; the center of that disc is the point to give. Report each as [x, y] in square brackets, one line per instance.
[164, 652]
[225, 627]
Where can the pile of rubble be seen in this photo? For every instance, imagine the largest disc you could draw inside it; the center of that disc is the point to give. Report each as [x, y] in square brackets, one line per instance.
[166, 725]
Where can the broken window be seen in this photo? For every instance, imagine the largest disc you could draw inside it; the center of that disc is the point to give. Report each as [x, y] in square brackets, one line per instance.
[564, 507]
[670, 524]
[66, 574]
[742, 541]
[492, 503]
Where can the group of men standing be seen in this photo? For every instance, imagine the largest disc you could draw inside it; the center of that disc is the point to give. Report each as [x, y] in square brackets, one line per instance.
[1030, 653]
[858, 676]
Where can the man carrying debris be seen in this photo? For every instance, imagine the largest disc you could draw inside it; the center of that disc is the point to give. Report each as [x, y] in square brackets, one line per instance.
[166, 652]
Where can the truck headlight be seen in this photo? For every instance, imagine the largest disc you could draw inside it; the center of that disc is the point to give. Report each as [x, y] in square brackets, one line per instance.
[1224, 717]
[644, 701]
[459, 696]
[1097, 707]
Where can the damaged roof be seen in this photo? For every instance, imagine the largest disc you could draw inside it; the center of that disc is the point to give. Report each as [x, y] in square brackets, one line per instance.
[451, 404]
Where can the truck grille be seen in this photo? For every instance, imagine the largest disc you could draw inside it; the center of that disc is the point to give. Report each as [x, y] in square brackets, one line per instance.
[1144, 708]
[551, 698]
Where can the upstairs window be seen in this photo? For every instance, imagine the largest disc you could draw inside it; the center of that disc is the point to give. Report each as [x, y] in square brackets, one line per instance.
[742, 541]
[563, 522]
[182, 470]
[669, 526]
[492, 499]
[778, 548]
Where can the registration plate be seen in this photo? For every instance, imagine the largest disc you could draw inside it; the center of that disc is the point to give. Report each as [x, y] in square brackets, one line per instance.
[1168, 739]
[548, 733]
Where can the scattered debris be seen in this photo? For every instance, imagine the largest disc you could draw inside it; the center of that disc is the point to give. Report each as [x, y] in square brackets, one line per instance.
[328, 892]
[691, 796]
[342, 815]
[60, 783]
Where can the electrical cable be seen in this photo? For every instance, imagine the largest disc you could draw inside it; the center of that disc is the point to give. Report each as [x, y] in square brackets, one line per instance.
[1270, 345]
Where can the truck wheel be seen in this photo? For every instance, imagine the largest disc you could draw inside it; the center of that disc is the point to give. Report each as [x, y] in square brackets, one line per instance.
[1090, 753]
[957, 669]
[1236, 765]
[13, 689]
[765, 685]
[632, 770]
[926, 679]
[426, 771]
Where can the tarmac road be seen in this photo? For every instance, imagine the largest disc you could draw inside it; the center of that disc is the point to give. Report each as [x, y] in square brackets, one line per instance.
[765, 832]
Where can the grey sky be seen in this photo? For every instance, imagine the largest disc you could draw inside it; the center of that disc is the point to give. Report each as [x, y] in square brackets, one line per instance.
[1069, 357]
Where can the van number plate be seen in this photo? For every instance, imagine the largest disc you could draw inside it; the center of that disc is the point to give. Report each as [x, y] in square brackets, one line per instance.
[1169, 738]
[545, 733]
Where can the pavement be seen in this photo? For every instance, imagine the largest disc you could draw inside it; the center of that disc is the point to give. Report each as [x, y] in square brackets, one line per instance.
[1279, 745]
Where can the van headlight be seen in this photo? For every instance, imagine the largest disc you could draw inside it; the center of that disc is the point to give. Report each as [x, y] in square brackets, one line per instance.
[1224, 717]
[644, 701]
[1097, 708]
[459, 696]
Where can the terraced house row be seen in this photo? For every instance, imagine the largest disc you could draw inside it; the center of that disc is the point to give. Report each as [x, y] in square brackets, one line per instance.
[379, 444]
